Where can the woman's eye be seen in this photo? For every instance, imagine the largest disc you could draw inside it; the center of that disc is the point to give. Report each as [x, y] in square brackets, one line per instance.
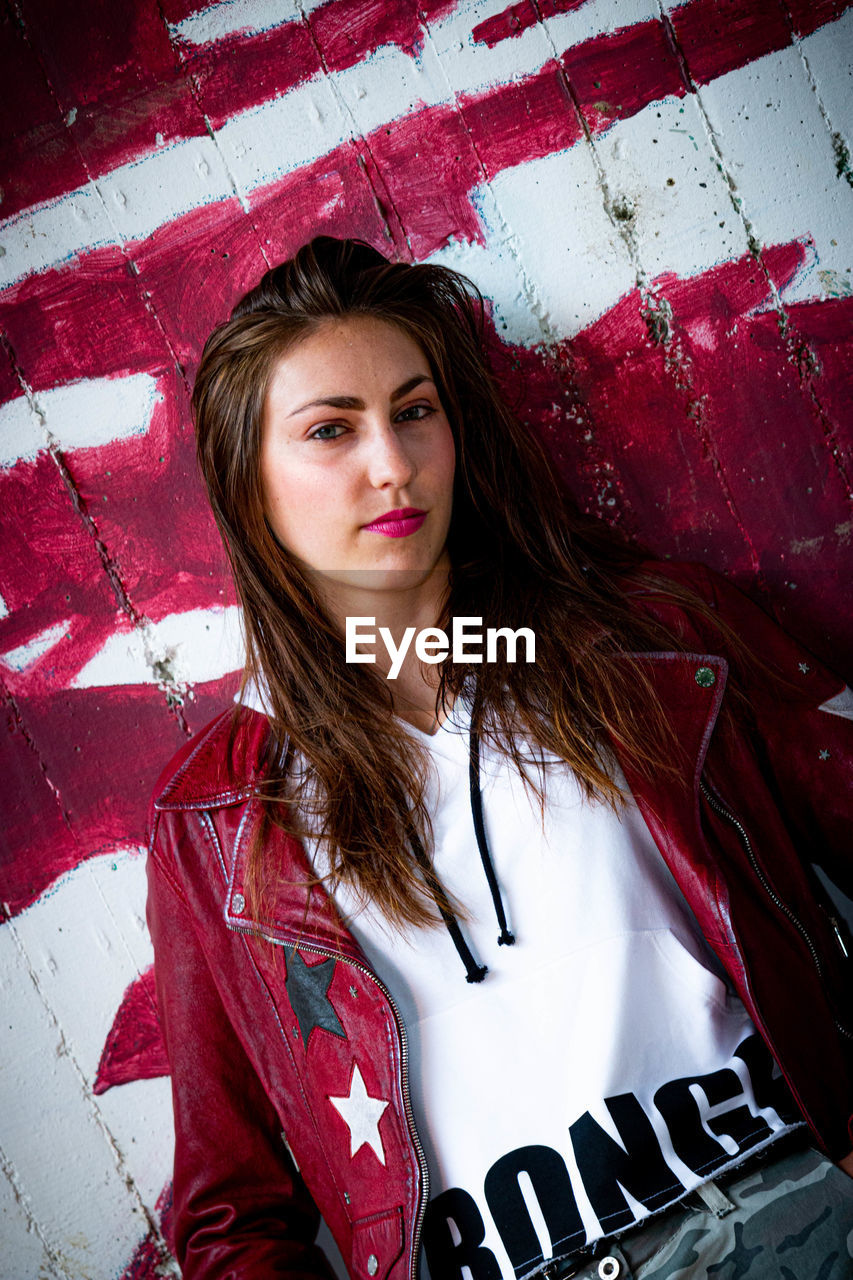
[328, 431]
[414, 412]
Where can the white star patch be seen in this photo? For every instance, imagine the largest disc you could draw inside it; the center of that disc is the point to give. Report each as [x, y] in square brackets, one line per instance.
[361, 1114]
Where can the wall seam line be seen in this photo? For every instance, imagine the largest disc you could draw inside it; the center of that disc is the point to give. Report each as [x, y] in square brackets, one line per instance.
[64, 1049]
[800, 353]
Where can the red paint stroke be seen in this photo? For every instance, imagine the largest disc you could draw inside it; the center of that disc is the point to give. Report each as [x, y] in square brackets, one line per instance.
[112, 134]
[116, 85]
[35, 831]
[808, 15]
[10, 387]
[94, 755]
[739, 413]
[175, 11]
[242, 71]
[516, 19]
[134, 1048]
[99, 750]
[424, 169]
[99, 52]
[827, 328]
[40, 166]
[603, 72]
[532, 118]
[51, 570]
[707, 34]
[350, 30]
[166, 564]
[147, 1260]
[613, 75]
[82, 320]
[125, 83]
[38, 159]
[26, 102]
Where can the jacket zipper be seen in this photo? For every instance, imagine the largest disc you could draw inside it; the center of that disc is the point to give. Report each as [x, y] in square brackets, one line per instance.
[404, 1072]
[718, 807]
[837, 931]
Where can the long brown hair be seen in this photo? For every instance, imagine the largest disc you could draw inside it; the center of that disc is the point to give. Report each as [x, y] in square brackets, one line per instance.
[520, 553]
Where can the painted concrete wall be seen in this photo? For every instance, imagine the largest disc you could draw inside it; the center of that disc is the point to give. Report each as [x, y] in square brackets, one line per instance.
[656, 197]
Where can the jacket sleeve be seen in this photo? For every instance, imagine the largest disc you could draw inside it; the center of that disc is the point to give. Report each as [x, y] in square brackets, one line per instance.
[240, 1208]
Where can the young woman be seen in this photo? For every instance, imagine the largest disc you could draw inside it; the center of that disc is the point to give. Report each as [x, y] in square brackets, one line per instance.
[486, 924]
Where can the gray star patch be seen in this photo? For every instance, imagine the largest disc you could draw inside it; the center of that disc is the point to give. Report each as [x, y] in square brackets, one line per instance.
[307, 990]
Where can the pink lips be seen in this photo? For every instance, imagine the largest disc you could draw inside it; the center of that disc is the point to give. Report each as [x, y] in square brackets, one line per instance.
[399, 523]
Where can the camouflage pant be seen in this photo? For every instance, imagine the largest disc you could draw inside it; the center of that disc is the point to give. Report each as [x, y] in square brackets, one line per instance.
[788, 1219]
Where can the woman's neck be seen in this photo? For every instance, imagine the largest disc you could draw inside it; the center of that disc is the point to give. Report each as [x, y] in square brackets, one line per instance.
[414, 685]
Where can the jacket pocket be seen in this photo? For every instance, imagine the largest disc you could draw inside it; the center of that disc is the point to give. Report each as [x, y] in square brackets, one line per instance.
[377, 1242]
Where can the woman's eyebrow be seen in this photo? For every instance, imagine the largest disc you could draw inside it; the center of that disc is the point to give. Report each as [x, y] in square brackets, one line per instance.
[353, 402]
[410, 385]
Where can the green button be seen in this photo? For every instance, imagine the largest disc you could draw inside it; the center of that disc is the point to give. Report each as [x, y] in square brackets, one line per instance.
[705, 677]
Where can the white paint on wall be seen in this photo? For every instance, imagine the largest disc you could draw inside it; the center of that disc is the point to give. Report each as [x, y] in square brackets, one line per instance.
[21, 433]
[829, 52]
[80, 415]
[235, 17]
[25, 655]
[496, 273]
[264, 143]
[66, 963]
[389, 84]
[663, 179]
[258, 146]
[84, 934]
[574, 259]
[787, 191]
[56, 1142]
[23, 1250]
[198, 645]
[163, 185]
[52, 233]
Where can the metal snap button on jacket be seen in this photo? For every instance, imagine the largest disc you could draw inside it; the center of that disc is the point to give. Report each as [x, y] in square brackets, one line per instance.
[238, 902]
[372, 1264]
[705, 677]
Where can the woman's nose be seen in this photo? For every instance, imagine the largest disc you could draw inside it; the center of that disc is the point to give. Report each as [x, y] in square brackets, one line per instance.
[389, 461]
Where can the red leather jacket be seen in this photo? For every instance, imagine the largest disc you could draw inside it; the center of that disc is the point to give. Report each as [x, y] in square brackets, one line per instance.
[260, 1040]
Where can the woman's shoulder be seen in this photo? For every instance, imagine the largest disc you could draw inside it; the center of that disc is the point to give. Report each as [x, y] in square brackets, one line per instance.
[705, 609]
[692, 591]
[219, 765]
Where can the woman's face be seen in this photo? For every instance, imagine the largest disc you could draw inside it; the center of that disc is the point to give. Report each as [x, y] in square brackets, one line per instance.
[357, 457]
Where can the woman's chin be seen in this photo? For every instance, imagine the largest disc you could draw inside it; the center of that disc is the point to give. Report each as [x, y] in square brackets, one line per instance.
[383, 579]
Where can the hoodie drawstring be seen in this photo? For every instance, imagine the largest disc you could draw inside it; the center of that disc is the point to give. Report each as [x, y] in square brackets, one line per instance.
[473, 972]
[506, 939]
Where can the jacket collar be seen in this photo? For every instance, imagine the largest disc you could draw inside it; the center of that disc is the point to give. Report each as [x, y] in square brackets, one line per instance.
[210, 776]
[689, 685]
